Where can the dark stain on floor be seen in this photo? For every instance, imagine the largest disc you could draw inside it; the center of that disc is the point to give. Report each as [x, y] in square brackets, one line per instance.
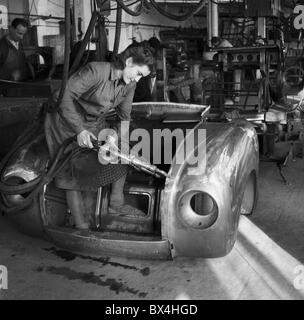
[145, 271]
[91, 278]
[63, 254]
[69, 256]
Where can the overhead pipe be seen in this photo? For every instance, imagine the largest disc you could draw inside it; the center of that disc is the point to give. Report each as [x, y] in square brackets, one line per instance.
[213, 18]
[39, 16]
[139, 24]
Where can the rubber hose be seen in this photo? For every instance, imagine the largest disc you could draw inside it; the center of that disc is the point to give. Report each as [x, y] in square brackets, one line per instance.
[67, 47]
[130, 11]
[29, 133]
[28, 186]
[117, 29]
[84, 42]
[53, 171]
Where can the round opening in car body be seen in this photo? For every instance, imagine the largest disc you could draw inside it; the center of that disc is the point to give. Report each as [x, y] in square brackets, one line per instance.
[198, 209]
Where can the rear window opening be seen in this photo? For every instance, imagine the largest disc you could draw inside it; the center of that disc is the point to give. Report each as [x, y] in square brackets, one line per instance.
[138, 200]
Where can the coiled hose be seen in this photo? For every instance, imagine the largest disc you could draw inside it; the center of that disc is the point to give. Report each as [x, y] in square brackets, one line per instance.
[32, 188]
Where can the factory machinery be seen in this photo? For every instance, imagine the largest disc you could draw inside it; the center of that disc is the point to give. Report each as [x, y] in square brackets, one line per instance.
[254, 78]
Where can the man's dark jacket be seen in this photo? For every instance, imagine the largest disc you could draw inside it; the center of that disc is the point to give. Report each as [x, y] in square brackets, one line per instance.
[12, 61]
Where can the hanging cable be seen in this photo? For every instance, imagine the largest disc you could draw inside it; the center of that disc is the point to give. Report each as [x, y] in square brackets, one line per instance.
[84, 42]
[33, 188]
[130, 11]
[67, 48]
[117, 29]
[183, 17]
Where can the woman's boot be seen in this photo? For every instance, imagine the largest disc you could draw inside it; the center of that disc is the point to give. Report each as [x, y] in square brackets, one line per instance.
[76, 205]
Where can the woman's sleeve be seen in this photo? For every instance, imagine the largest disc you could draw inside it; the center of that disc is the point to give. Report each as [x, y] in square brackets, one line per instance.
[124, 109]
[78, 84]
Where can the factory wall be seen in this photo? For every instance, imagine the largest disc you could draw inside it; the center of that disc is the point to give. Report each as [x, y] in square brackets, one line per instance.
[14, 6]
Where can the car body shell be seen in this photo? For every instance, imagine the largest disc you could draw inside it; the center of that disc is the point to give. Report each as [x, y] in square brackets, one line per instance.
[227, 175]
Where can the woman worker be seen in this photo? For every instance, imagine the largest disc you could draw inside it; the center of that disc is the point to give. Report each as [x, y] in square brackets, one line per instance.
[90, 93]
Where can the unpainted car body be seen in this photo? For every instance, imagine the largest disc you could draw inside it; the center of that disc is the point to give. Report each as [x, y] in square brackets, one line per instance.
[193, 213]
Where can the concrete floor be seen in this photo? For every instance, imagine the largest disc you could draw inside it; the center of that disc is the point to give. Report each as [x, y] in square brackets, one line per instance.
[262, 264]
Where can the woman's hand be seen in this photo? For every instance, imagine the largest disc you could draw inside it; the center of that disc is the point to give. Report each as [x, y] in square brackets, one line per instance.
[108, 152]
[84, 139]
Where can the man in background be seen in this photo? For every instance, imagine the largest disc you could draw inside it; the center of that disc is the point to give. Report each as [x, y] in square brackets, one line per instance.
[144, 87]
[13, 64]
